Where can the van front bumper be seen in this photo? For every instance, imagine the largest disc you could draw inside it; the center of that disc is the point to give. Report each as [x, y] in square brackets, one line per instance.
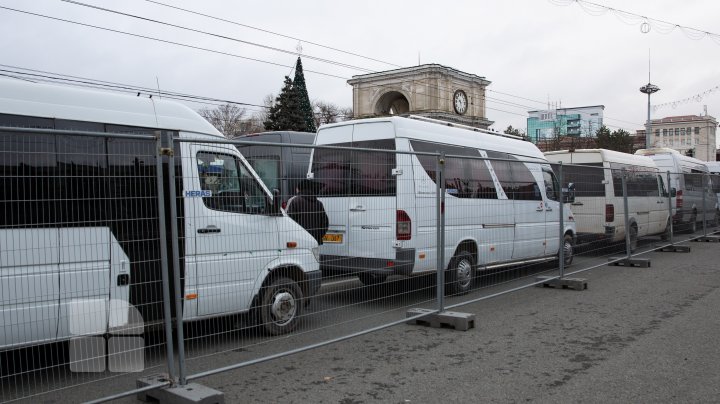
[312, 282]
[402, 264]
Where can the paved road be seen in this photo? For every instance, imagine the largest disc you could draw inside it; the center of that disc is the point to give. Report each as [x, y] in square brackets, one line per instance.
[636, 335]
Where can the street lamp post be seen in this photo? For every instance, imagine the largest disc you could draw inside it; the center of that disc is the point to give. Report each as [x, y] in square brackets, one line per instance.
[648, 89]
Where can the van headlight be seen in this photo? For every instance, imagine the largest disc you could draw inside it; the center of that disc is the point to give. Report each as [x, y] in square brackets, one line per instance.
[316, 253]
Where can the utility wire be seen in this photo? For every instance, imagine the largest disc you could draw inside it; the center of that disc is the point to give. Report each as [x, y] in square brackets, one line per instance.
[271, 32]
[332, 62]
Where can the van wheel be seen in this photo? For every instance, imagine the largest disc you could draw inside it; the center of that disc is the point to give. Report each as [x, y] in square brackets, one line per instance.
[460, 274]
[665, 236]
[692, 226]
[281, 306]
[568, 250]
[633, 238]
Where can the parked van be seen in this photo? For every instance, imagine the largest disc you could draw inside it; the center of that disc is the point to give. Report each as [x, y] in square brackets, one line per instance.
[279, 167]
[382, 203]
[714, 169]
[688, 176]
[80, 222]
[598, 206]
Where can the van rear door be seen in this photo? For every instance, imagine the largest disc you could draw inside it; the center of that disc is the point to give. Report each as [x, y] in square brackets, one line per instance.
[373, 202]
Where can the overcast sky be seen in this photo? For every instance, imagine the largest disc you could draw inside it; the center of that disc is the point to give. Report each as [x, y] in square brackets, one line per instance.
[533, 50]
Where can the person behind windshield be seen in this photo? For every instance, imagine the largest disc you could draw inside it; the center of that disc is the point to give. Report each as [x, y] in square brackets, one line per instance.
[307, 210]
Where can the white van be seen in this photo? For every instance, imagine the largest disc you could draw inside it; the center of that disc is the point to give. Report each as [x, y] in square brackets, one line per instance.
[80, 221]
[688, 176]
[598, 205]
[382, 205]
[714, 169]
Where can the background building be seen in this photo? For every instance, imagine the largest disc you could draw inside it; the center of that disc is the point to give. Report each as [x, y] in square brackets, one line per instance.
[694, 135]
[579, 121]
[430, 90]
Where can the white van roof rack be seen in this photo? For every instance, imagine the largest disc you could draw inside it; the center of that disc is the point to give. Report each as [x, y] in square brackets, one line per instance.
[459, 125]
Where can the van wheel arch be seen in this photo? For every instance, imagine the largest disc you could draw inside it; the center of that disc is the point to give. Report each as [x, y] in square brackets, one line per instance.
[283, 287]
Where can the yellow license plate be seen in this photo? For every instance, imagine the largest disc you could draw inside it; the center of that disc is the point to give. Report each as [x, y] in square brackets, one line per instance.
[332, 238]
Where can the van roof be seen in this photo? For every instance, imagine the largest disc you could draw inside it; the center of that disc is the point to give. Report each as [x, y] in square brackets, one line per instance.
[457, 136]
[18, 97]
[599, 156]
[658, 153]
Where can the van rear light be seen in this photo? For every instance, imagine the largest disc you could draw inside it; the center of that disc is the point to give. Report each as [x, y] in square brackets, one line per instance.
[609, 213]
[679, 199]
[403, 226]
[284, 204]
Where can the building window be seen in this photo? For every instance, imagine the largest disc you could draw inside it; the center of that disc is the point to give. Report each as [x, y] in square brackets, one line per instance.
[689, 131]
[682, 131]
[677, 131]
[664, 132]
[657, 132]
[697, 130]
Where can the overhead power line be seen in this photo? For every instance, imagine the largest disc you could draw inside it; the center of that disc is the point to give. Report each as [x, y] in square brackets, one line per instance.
[242, 41]
[271, 32]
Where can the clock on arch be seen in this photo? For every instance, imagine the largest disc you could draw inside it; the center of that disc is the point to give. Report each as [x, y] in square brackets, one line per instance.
[460, 102]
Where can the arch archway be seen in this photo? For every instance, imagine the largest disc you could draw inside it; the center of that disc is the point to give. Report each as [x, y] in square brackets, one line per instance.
[392, 103]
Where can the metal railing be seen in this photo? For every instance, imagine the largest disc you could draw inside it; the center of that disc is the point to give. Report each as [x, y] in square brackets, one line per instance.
[191, 269]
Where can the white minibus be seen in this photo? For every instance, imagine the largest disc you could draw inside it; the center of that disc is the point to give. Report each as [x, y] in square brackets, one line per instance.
[688, 176]
[598, 206]
[80, 221]
[382, 204]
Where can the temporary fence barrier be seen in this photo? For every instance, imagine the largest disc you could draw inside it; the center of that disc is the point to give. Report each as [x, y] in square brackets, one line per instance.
[125, 255]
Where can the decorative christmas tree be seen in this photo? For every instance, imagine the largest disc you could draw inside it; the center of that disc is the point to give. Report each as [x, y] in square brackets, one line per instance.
[285, 113]
[303, 99]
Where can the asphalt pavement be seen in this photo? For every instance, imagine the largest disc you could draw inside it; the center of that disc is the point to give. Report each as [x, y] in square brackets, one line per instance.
[636, 335]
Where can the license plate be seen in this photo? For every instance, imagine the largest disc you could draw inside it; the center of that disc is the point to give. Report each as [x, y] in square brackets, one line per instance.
[332, 238]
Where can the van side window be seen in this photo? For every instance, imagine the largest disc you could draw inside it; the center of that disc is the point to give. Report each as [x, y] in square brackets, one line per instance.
[515, 178]
[551, 185]
[268, 169]
[464, 177]
[355, 172]
[588, 178]
[640, 181]
[232, 187]
[693, 180]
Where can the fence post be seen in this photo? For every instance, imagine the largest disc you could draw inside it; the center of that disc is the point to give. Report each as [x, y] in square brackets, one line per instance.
[704, 194]
[670, 208]
[167, 312]
[440, 225]
[179, 298]
[628, 244]
[561, 213]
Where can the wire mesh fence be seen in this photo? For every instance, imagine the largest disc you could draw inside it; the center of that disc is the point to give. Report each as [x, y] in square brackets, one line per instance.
[129, 252]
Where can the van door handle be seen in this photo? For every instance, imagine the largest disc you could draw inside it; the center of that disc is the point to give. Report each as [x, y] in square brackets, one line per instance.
[209, 229]
[548, 209]
[358, 208]
[540, 209]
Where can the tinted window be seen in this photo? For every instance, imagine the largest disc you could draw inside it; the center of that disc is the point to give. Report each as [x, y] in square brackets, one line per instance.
[639, 180]
[268, 169]
[28, 180]
[514, 176]
[232, 187]
[552, 190]
[587, 178]
[82, 169]
[356, 172]
[693, 180]
[464, 177]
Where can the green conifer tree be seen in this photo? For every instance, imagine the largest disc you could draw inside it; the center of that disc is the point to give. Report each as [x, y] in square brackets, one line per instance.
[285, 113]
[303, 99]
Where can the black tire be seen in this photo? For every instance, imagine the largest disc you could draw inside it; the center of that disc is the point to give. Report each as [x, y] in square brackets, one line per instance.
[281, 305]
[665, 236]
[460, 274]
[692, 226]
[633, 238]
[568, 250]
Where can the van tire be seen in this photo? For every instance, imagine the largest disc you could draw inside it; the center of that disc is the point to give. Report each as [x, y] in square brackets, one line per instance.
[692, 225]
[568, 250]
[281, 305]
[665, 236]
[460, 274]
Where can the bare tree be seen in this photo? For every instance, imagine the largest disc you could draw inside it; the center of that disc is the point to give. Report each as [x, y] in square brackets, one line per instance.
[346, 113]
[326, 112]
[227, 118]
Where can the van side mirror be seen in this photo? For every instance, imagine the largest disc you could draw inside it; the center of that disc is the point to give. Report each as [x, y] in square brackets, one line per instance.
[272, 206]
[673, 192]
[569, 193]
